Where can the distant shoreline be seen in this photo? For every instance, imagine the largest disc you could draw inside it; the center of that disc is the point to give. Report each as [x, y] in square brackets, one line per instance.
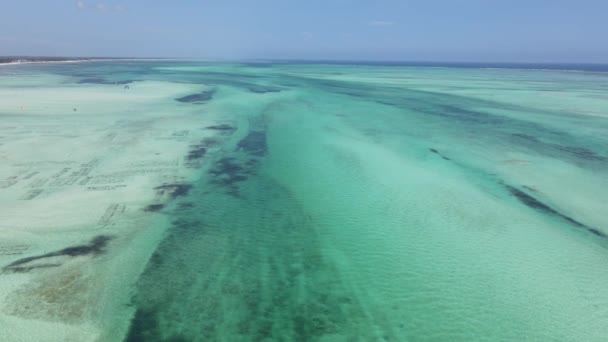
[564, 67]
[32, 59]
[47, 60]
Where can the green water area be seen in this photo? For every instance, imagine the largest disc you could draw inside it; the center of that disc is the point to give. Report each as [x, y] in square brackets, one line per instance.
[198, 201]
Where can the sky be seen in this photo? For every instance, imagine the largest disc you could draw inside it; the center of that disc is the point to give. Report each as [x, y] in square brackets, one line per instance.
[409, 30]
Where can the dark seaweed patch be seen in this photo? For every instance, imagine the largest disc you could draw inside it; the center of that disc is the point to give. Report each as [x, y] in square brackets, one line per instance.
[99, 80]
[195, 296]
[197, 98]
[258, 64]
[209, 142]
[467, 115]
[196, 152]
[174, 190]
[154, 207]
[24, 269]
[226, 166]
[435, 104]
[186, 205]
[254, 143]
[144, 326]
[525, 136]
[228, 172]
[530, 201]
[258, 89]
[92, 80]
[95, 247]
[596, 232]
[229, 75]
[576, 152]
[439, 153]
[542, 207]
[185, 225]
[579, 152]
[223, 127]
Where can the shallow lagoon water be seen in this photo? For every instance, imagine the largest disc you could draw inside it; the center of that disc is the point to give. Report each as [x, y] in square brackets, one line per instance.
[303, 202]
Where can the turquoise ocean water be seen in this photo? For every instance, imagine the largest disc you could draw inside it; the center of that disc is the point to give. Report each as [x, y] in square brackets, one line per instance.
[380, 203]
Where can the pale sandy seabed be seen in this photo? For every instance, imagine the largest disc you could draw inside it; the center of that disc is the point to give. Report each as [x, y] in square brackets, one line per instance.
[193, 201]
[81, 162]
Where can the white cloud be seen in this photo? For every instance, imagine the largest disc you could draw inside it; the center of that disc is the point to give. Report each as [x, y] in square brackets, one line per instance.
[381, 23]
[81, 4]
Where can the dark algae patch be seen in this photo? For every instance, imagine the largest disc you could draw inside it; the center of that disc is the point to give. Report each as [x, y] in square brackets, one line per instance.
[438, 153]
[154, 207]
[242, 261]
[198, 98]
[246, 268]
[558, 149]
[227, 172]
[227, 168]
[544, 208]
[196, 152]
[99, 80]
[223, 127]
[185, 205]
[174, 190]
[95, 247]
[254, 143]
[145, 327]
[259, 89]
[237, 167]
[596, 232]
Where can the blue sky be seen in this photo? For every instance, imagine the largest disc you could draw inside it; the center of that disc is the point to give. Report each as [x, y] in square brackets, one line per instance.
[413, 30]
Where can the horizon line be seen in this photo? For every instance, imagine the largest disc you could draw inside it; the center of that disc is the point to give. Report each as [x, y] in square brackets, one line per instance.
[270, 60]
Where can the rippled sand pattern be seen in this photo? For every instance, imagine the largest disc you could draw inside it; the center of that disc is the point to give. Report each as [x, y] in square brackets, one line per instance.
[296, 202]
